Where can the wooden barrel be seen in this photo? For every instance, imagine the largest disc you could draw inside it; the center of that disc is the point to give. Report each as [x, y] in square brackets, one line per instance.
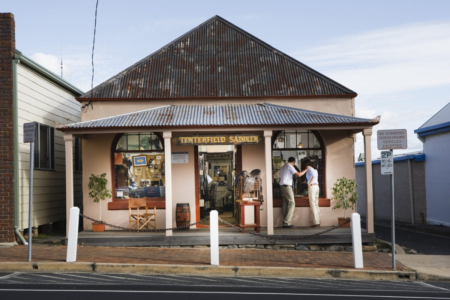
[183, 215]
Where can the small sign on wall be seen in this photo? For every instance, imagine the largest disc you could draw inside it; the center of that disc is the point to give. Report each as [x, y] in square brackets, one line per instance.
[180, 157]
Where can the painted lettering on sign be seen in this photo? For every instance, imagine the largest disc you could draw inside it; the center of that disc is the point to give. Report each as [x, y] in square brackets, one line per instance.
[392, 139]
[219, 140]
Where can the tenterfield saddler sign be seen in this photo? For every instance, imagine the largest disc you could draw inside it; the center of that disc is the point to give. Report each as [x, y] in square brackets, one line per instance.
[219, 140]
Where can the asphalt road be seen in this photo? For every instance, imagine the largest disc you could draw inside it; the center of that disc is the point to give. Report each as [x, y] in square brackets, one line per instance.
[68, 286]
[423, 243]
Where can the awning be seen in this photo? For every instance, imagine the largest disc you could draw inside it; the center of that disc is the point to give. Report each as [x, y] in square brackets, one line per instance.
[219, 115]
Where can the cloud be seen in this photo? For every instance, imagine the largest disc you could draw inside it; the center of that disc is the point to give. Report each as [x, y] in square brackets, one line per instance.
[388, 60]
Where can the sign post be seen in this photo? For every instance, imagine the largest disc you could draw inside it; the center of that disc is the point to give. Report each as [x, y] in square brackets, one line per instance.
[390, 140]
[28, 137]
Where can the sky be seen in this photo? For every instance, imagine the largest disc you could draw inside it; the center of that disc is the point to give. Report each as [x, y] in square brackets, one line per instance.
[394, 54]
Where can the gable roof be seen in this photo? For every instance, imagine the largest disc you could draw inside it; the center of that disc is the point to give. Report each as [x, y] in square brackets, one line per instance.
[219, 115]
[217, 59]
[440, 122]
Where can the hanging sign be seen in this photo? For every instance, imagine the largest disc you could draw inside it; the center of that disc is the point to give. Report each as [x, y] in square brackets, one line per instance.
[387, 162]
[28, 132]
[223, 139]
[392, 139]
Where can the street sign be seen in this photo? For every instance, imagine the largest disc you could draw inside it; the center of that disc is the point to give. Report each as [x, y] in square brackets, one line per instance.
[28, 132]
[392, 139]
[387, 162]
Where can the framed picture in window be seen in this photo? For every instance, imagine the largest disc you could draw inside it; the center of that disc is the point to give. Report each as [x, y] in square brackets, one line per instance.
[139, 161]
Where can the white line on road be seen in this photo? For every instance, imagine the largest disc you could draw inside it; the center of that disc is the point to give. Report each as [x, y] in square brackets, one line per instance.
[221, 293]
[432, 286]
[10, 275]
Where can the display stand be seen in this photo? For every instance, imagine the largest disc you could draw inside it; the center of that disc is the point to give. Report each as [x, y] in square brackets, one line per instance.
[241, 205]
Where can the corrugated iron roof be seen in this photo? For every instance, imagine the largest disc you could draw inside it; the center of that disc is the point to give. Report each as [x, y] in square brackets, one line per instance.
[217, 59]
[219, 115]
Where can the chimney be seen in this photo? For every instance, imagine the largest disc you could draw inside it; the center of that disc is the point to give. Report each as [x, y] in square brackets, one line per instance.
[7, 48]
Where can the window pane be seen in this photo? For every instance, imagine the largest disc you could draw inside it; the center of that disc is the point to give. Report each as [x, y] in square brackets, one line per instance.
[290, 140]
[156, 142]
[52, 148]
[302, 140]
[145, 141]
[279, 141]
[122, 144]
[133, 142]
[313, 141]
[43, 147]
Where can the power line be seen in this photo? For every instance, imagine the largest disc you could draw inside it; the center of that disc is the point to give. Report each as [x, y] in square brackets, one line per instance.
[92, 60]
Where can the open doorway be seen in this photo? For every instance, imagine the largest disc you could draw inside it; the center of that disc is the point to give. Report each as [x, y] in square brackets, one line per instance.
[216, 180]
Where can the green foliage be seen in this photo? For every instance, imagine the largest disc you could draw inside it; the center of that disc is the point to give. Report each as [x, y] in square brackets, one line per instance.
[344, 193]
[97, 185]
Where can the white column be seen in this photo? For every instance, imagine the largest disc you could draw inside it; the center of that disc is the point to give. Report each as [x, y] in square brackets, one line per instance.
[367, 133]
[68, 140]
[269, 192]
[167, 135]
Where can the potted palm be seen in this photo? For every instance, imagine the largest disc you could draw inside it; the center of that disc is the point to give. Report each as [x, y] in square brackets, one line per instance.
[344, 193]
[98, 191]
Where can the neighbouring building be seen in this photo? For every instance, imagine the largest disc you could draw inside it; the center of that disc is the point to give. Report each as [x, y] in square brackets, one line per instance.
[179, 126]
[409, 189]
[31, 93]
[435, 136]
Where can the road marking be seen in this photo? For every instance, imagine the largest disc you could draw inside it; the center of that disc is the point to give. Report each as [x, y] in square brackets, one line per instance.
[432, 286]
[221, 293]
[10, 275]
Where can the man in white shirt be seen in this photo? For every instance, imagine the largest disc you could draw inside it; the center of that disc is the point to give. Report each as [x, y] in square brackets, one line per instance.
[313, 193]
[288, 204]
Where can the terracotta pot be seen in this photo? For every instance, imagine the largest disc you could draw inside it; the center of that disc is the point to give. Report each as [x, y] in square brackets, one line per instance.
[343, 220]
[98, 227]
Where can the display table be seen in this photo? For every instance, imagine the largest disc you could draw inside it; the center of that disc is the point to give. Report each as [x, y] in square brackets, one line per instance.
[241, 210]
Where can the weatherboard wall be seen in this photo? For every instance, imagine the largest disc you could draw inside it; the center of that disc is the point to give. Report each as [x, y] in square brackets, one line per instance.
[40, 100]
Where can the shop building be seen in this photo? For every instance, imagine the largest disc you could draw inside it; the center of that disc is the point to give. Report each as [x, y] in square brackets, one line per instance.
[181, 124]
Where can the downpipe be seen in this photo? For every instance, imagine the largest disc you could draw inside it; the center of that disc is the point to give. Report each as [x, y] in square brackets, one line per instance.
[22, 239]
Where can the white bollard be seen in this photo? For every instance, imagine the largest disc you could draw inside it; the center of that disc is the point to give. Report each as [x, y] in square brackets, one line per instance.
[357, 241]
[214, 232]
[72, 239]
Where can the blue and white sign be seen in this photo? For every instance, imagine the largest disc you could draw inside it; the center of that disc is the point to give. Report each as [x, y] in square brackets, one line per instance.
[387, 162]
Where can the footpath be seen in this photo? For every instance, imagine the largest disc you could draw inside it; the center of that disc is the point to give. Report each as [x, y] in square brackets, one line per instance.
[196, 261]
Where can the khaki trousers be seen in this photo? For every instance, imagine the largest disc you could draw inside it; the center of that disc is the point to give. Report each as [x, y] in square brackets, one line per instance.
[288, 204]
[313, 193]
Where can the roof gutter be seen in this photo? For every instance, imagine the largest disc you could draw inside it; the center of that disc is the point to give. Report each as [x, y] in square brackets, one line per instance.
[15, 61]
[47, 73]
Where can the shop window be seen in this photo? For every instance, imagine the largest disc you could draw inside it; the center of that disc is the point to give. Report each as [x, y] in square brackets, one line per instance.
[139, 166]
[304, 146]
[77, 166]
[44, 147]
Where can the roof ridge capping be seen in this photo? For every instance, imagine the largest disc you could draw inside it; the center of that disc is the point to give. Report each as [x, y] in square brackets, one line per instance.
[310, 83]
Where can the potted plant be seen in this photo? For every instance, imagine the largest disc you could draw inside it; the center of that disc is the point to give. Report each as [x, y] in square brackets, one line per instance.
[98, 191]
[344, 193]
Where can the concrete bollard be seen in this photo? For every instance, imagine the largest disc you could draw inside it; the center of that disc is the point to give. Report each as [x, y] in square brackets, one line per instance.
[73, 235]
[357, 241]
[214, 233]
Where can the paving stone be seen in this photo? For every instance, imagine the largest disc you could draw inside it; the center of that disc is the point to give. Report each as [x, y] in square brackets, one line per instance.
[314, 248]
[366, 248]
[201, 257]
[335, 248]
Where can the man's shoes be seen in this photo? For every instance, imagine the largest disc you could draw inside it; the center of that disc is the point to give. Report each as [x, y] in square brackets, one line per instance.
[288, 226]
[317, 225]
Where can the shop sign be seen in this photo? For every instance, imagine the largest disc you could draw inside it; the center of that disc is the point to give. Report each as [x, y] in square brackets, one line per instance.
[180, 157]
[223, 139]
[392, 139]
[211, 156]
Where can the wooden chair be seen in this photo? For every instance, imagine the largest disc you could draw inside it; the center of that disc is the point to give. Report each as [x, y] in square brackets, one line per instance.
[138, 220]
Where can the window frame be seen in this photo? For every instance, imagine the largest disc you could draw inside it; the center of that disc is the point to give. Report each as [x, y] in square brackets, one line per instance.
[323, 191]
[50, 147]
[114, 150]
